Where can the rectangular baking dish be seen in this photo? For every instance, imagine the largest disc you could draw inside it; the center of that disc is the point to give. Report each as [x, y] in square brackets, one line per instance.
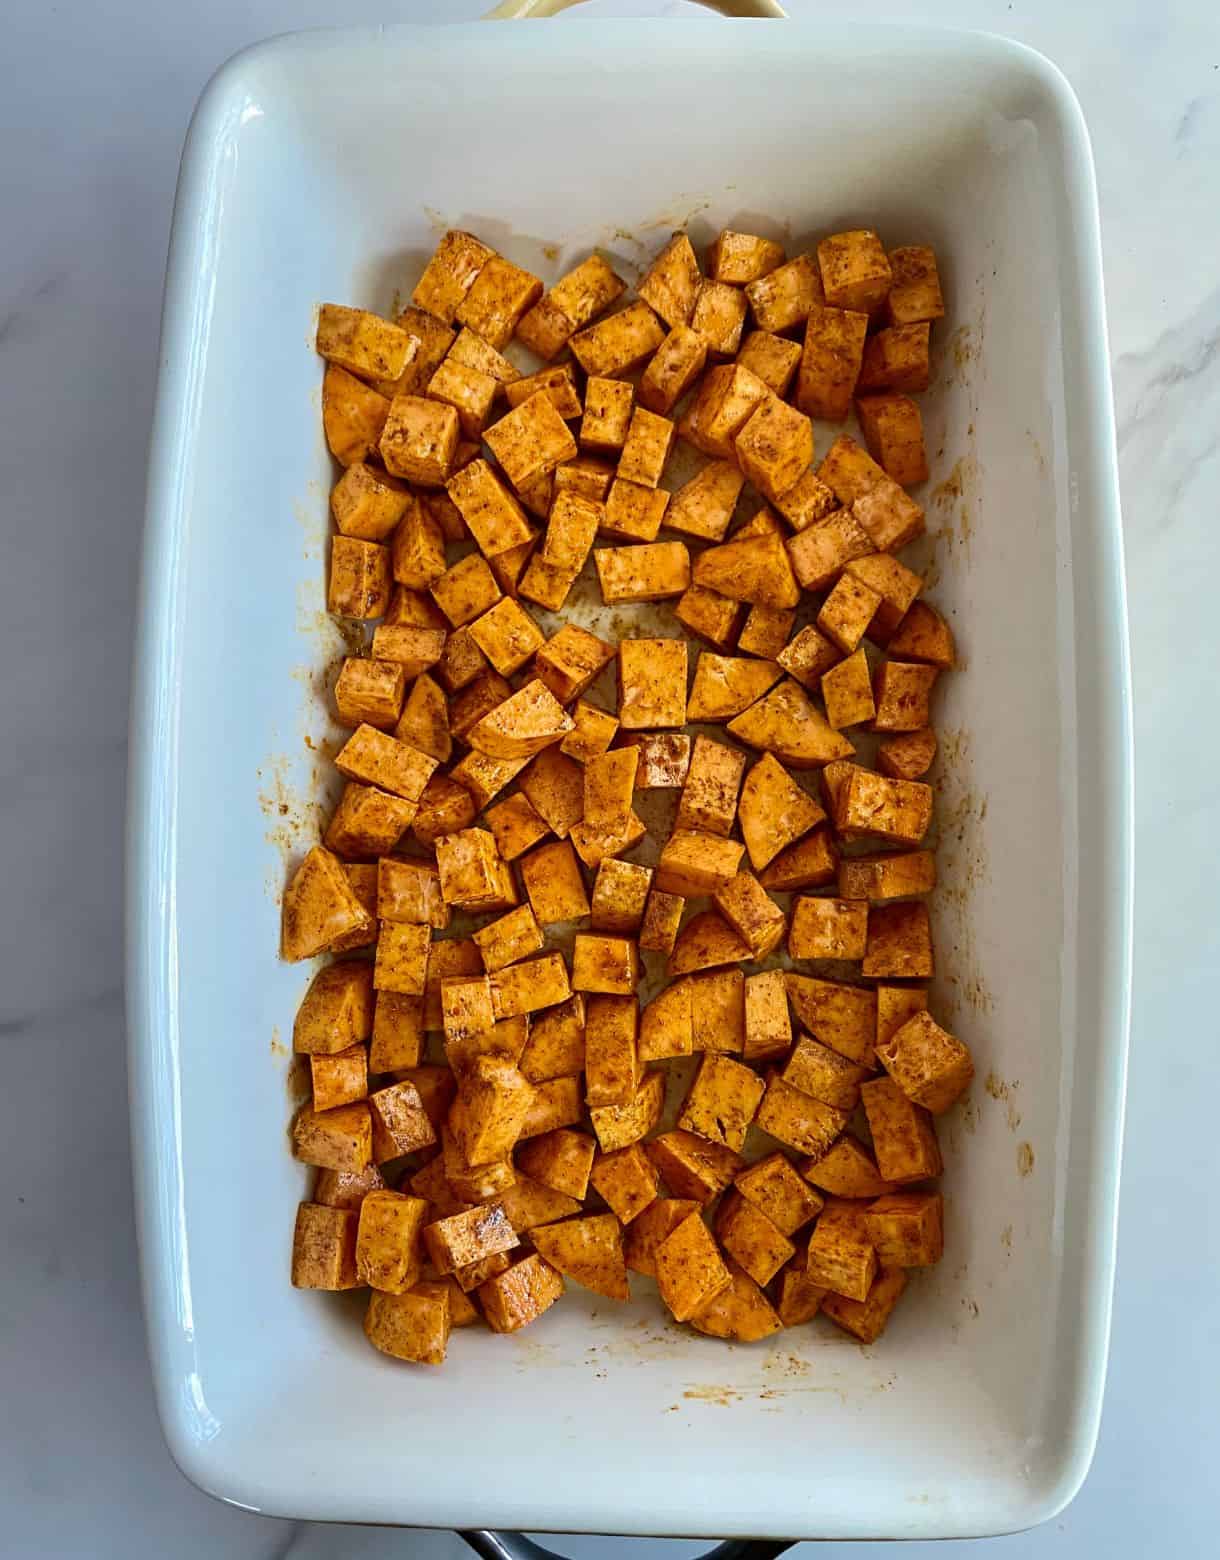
[321, 166]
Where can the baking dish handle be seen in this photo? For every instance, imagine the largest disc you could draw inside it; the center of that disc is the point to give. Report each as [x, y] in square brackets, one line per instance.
[515, 1546]
[507, 10]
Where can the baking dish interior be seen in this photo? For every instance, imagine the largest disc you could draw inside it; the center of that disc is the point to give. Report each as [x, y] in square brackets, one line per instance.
[322, 168]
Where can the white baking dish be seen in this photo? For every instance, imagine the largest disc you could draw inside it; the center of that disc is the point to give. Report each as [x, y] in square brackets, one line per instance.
[320, 167]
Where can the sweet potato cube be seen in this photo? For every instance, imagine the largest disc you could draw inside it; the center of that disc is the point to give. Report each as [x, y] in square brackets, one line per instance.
[662, 917]
[742, 257]
[784, 297]
[495, 518]
[846, 1169]
[429, 339]
[893, 430]
[847, 612]
[620, 892]
[774, 448]
[664, 759]
[610, 787]
[410, 891]
[627, 1180]
[447, 958]
[511, 938]
[752, 914]
[419, 441]
[652, 683]
[768, 1029]
[605, 964]
[777, 1191]
[808, 502]
[450, 274]
[634, 512]
[529, 986]
[552, 879]
[530, 440]
[528, 1203]
[774, 811]
[706, 941]
[904, 1137]
[361, 342]
[520, 1295]
[324, 1248]
[366, 503]
[866, 1319]
[817, 1070]
[607, 416]
[574, 300]
[895, 1005]
[353, 416]
[819, 553]
[923, 635]
[653, 1224]
[719, 316]
[704, 505]
[401, 1125]
[709, 797]
[468, 1237]
[809, 863]
[507, 636]
[339, 1078]
[339, 1139]
[593, 732]
[389, 1251]
[847, 692]
[367, 822]
[469, 868]
[914, 294]
[461, 661]
[897, 810]
[798, 1120]
[721, 1103]
[555, 787]
[402, 958]
[718, 1021]
[771, 357]
[692, 1166]
[413, 1325]
[908, 756]
[842, 1017]
[710, 615]
[556, 1045]
[673, 369]
[751, 1239]
[907, 1228]
[523, 725]
[612, 1061]
[515, 826]
[840, 1256]
[337, 1010]
[694, 864]
[649, 572]
[646, 448]
[897, 359]
[571, 527]
[407, 646]
[424, 723]
[726, 399]
[756, 570]
[619, 342]
[665, 1024]
[902, 690]
[493, 1100]
[741, 1313]
[899, 942]
[468, 390]
[690, 1269]
[505, 1038]
[472, 351]
[785, 723]
[799, 1298]
[362, 875]
[889, 515]
[855, 270]
[499, 295]
[484, 777]
[359, 585]
[724, 685]
[373, 757]
[561, 1160]
[827, 929]
[617, 1126]
[671, 284]
[558, 382]
[928, 1064]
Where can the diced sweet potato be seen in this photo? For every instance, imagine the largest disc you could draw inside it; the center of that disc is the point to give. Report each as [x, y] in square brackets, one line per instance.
[556, 1045]
[819, 1071]
[464, 1238]
[605, 965]
[724, 686]
[800, 1298]
[785, 723]
[665, 1024]
[692, 1166]
[908, 756]
[897, 359]
[842, 1017]
[554, 884]
[784, 297]
[768, 1029]
[619, 342]
[627, 1180]
[529, 1203]
[523, 725]
[529, 986]
[671, 284]
[690, 1269]
[726, 399]
[704, 505]
[846, 1169]
[755, 570]
[840, 1256]
[694, 864]
[607, 416]
[904, 1138]
[751, 1239]
[662, 917]
[771, 357]
[673, 369]
[709, 615]
[825, 928]
[593, 732]
[561, 1160]
[776, 1190]
[339, 1139]
[620, 893]
[353, 416]
[752, 914]
[741, 1313]
[798, 1120]
[618, 1125]
[930, 1066]
[389, 1251]
[649, 572]
[346, 1188]
[907, 1228]
[520, 1294]
[554, 786]
[412, 1326]
[650, 1227]
[400, 1123]
[652, 683]
[774, 811]
[721, 1102]
[324, 1248]
[707, 940]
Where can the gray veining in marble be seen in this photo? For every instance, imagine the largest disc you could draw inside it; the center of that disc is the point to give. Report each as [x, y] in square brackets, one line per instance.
[93, 105]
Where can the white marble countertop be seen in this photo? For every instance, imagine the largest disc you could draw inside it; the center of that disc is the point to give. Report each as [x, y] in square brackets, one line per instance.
[96, 101]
